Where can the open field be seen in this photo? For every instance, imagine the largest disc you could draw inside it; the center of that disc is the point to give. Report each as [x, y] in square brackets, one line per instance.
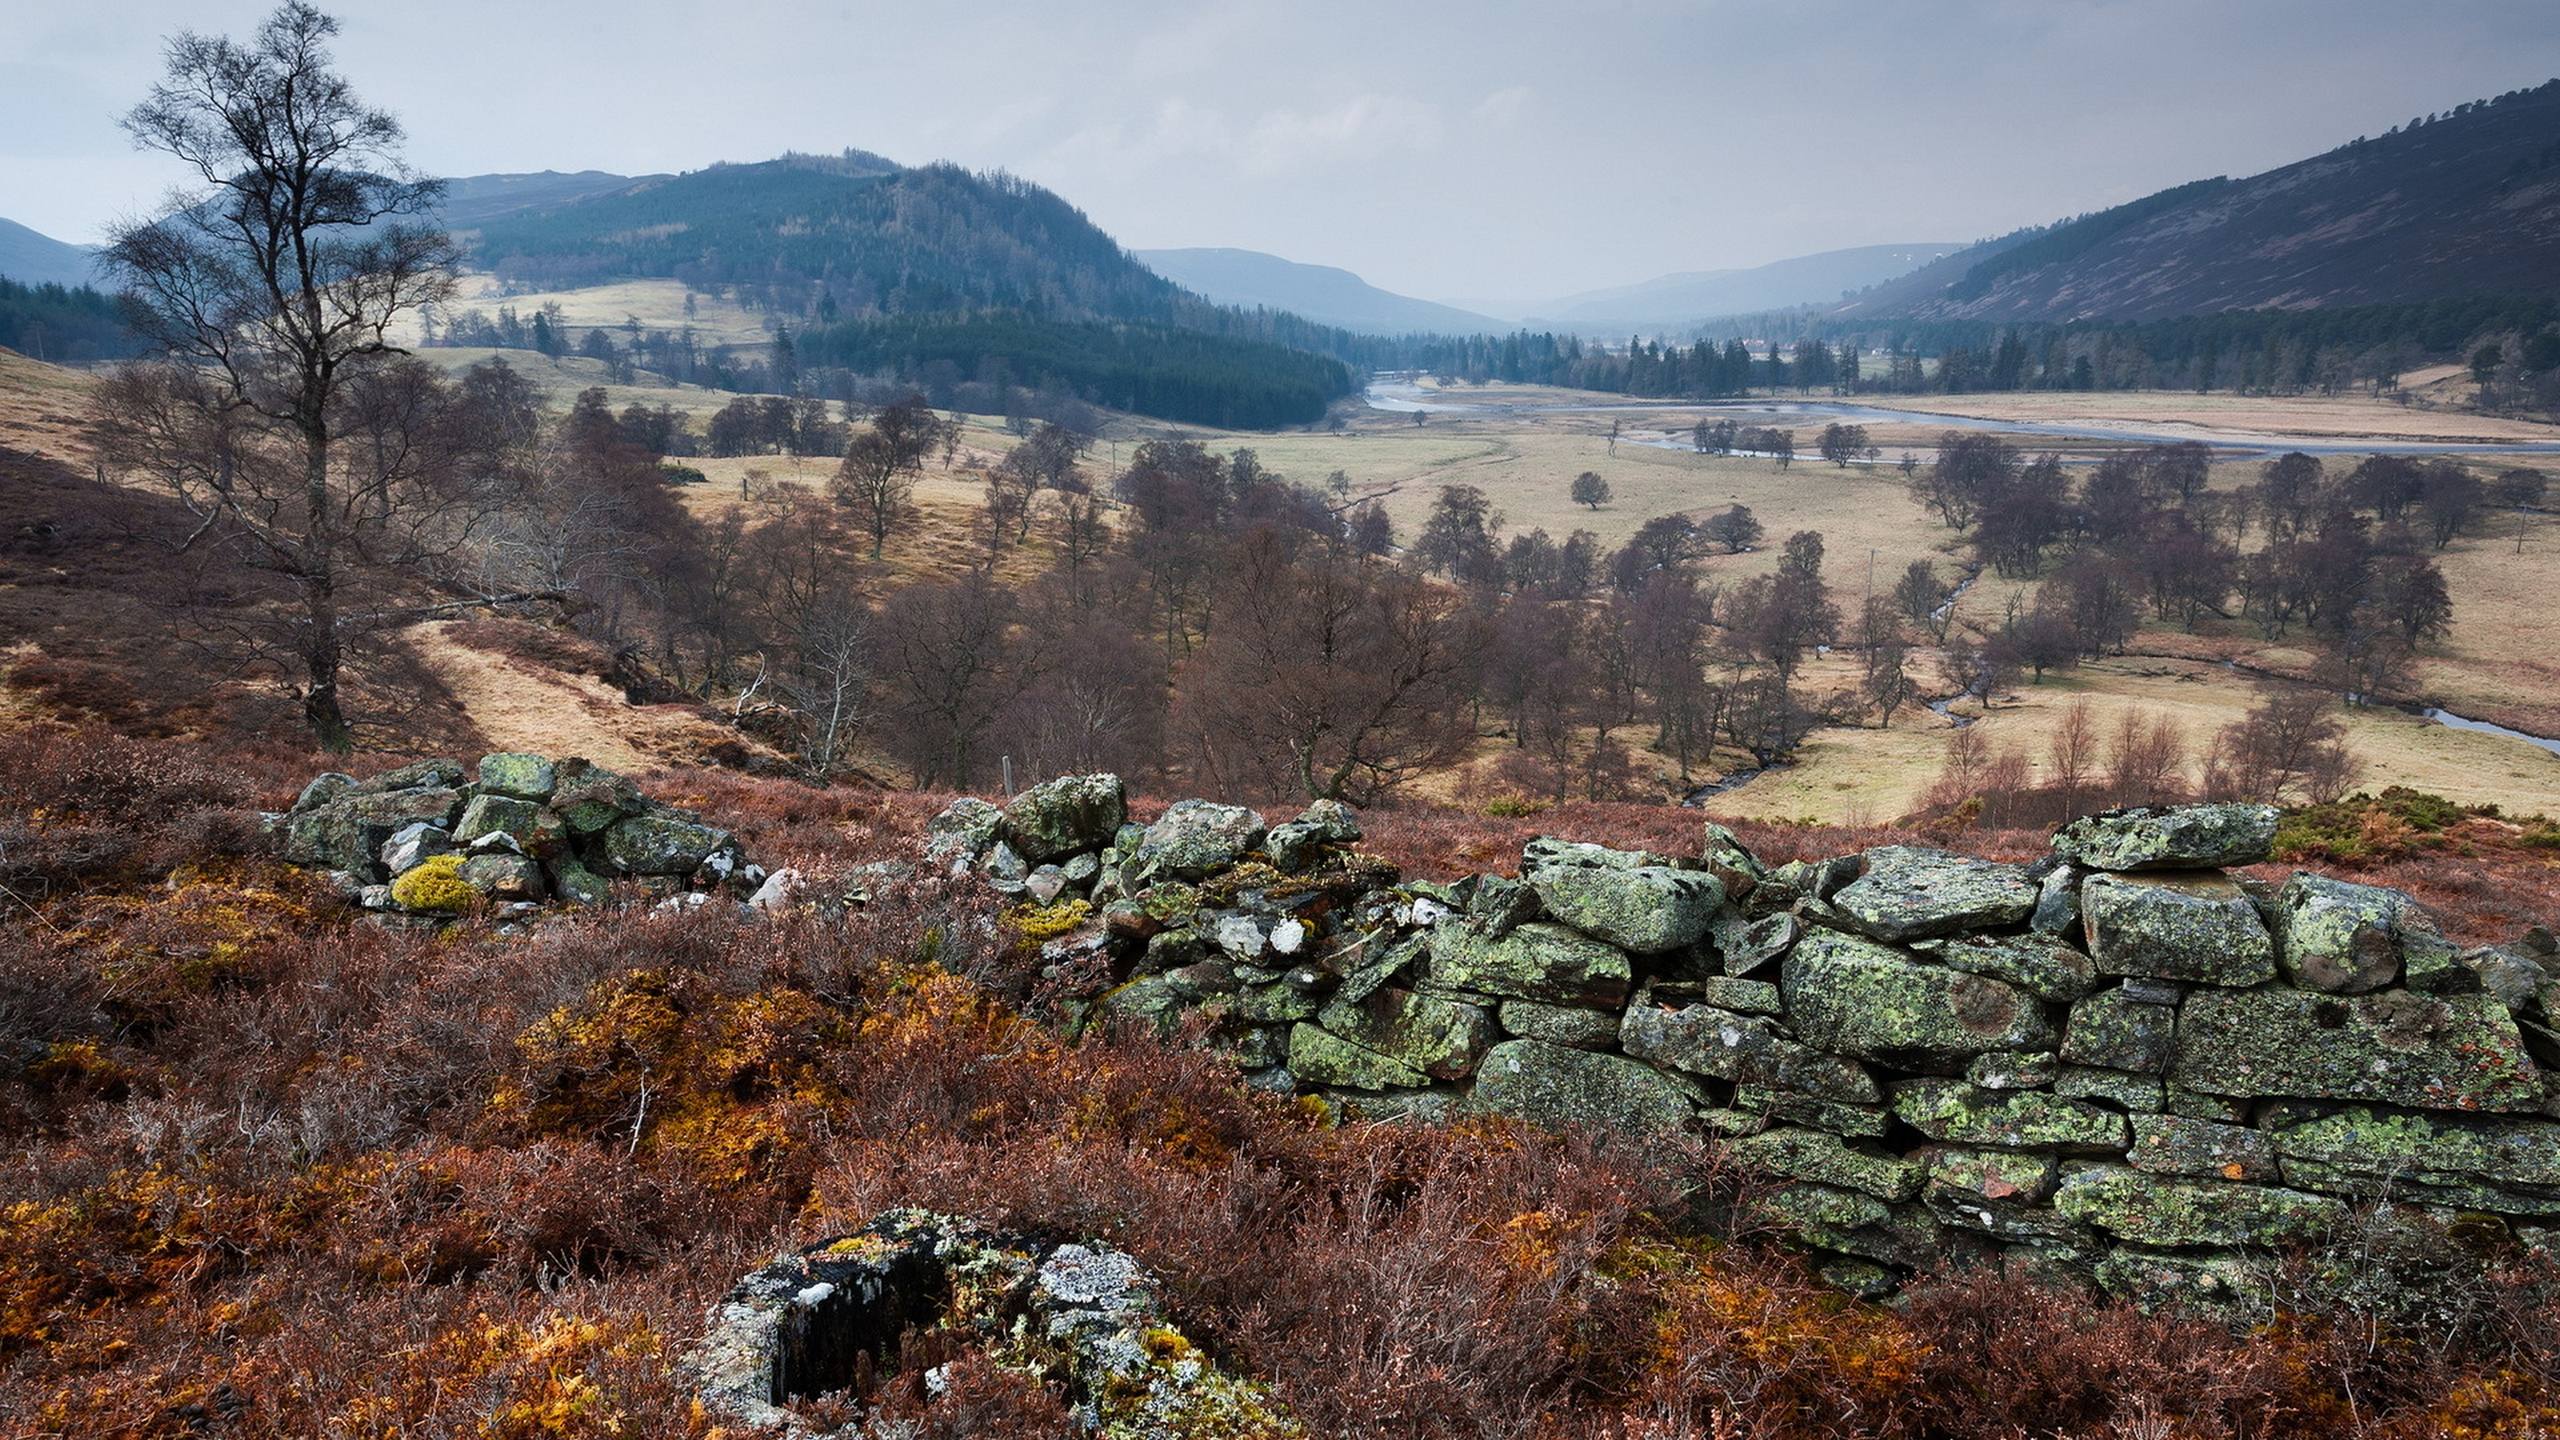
[559, 380]
[2236, 418]
[656, 304]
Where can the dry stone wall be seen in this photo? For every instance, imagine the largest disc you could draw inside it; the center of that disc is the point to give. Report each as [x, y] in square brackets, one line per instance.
[2122, 1062]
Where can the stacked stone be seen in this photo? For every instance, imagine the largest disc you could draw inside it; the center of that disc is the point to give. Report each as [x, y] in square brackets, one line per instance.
[2121, 1062]
[522, 829]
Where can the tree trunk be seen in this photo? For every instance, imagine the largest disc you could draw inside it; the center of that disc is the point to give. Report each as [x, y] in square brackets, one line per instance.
[321, 648]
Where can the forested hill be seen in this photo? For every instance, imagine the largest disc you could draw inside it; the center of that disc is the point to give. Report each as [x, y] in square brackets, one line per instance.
[2465, 203]
[855, 234]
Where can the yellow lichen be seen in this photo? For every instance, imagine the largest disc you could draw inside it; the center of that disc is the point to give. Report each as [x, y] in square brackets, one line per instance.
[435, 885]
[1036, 923]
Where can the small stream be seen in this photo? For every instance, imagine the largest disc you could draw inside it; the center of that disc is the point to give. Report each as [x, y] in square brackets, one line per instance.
[2482, 727]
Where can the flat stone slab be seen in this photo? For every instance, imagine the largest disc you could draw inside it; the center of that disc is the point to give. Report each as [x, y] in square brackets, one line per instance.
[1557, 1085]
[1855, 997]
[2449, 1052]
[2183, 837]
[2198, 928]
[1908, 892]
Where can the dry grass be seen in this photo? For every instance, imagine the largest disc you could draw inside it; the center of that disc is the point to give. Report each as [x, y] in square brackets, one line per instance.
[2232, 418]
[523, 706]
[656, 304]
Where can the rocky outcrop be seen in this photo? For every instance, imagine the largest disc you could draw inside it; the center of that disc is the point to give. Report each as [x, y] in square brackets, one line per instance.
[2119, 1062]
[430, 841]
[825, 1318]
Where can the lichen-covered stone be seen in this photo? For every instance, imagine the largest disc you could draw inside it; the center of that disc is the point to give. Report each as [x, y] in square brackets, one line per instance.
[504, 876]
[416, 775]
[2340, 937]
[1065, 816]
[1273, 1002]
[1538, 961]
[1840, 1117]
[1575, 1025]
[1438, 1037]
[2184, 837]
[963, 831]
[1559, 1085]
[575, 883]
[2180, 927]
[1801, 1154]
[2452, 1052]
[2009, 1176]
[1646, 909]
[1319, 1057]
[2176, 1145]
[2042, 965]
[528, 828]
[1748, 997]
[518, 776]
[1719, 1043]
[322, 788]
[2170, 1213]
[412, 845]
[659, 844]
[1908, 892]
[2116, 1087]
[1746, 945]
[2508, 1166]
[1854, 997]
[2235, 1286]
[1724, 856]
[347, 833]
[1818, 1208]
[1962, 1114]
[1298, 844]
[1543, 851]
[2108, 1030]
[1195, 838]
[589, 798]
[2013, 1070]
[1378, 960]
[2057, 909]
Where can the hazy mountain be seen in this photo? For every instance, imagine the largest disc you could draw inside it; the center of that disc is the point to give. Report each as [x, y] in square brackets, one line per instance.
[2467, 204]
[1321, 293]
[35, 259]
[473, 200]
[1673, 300]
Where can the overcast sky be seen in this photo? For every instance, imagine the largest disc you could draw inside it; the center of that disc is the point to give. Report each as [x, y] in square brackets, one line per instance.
[1489, 151]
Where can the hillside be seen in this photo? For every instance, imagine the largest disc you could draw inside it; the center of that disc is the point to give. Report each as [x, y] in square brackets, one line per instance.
[1322, 293]
[474, 200]
[2466, 204]
[31, 258]
[1668, 300]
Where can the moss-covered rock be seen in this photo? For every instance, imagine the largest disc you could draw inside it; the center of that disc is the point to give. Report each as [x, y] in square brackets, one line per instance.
[2452, 1052]
[1558, 1085]
[659, 844]
[434, 887]
[2170, 1213]
[1319, 1057]
[2115, 1087]
[1962, 1114]
[347, 833]
[2109, 1030]
[1855, 997]
[2176, 1145]
[1746, 945]
[504, 876]
[1909, 892]
[416, 775]
[2184, 837]
[1538, 961]
[2511, 1167]
[1722, 1044]
[1575, 1025]
[2044, 966]
[2013, 1069]
[2007, 1176]
[528, 828]
[2200, 928]
[1440, 1038]
[588, 798]
[518, 776]
[1763, 1103]
[2340, 937]
[1746, 997]
[572, 881]
[962, 831]
[1066, 816]
[1646, 909]
[1194, 838]
[1826, 1159]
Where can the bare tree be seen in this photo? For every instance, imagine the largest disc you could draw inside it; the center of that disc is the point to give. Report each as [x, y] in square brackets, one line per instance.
[876, 479]
[2072, 753]
[273, 286]
[826, 686]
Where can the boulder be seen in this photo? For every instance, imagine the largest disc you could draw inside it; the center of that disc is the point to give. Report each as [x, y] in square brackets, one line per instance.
[1065, 816]
[2171, 1213]
[587, 797]
[504, 876]
[659, 844]
[2176, 1145]
[1743, 1048]
[413, 845]
[2340, 937]
[1908, 892]
[1440, 1038]
[347, 833]
[1855, 997]
[963, 831]
[526, 827]
[1646, 909]
[518, 776]
[2452, 1052]
[1539, 961]
[2183, 837]
[1558, 1085]
[322, 788]
[1825, 1159]
[2044, 966]
[2199, 928]
[2107, 1029]
[1194, 838]
[574, 882]
[1963, 1114]
[1297, 845]
[1319, 1057]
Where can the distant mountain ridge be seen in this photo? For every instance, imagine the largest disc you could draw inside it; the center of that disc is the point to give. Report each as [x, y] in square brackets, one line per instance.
[1322, 293]
[1669, 301]
[2467, 203]
[33, 258]
[471, 201]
